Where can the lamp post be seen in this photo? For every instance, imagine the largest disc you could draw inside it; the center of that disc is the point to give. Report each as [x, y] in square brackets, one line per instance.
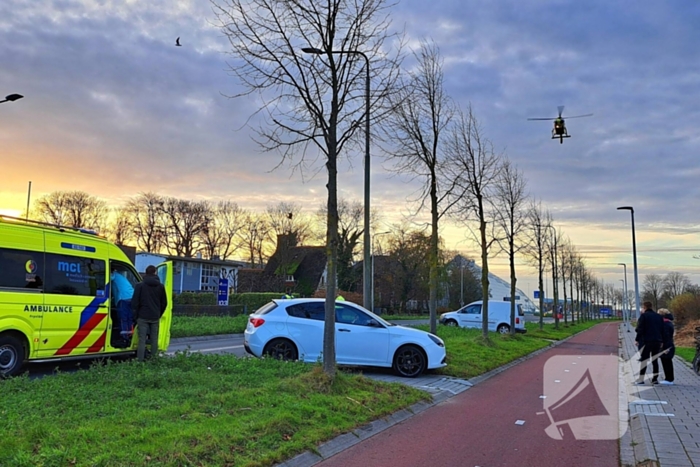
[373, 255]
[367, 288]
[634, 256]
[11, 98]
[626, 318]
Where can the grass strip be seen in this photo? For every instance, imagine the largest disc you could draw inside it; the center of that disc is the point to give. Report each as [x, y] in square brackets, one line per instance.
[188, 410]
[686, 353]
[191, 326]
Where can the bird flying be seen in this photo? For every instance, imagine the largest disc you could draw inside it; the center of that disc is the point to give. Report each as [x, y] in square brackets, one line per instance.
[177, 42]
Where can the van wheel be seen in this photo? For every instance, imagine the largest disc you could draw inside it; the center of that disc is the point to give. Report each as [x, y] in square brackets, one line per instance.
[503, 329]
[12, 355]
[281, 349]
[451, 322]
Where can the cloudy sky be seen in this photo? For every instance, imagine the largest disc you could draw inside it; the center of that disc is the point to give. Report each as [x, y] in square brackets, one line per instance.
[113, 108]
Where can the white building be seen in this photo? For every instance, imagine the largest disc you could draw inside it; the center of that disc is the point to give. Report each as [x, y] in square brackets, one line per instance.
[499, 289]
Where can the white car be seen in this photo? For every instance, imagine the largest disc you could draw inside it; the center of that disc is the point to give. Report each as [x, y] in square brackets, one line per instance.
[292, 329]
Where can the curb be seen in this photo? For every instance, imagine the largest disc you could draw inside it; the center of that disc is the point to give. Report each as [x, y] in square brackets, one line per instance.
[353, 437]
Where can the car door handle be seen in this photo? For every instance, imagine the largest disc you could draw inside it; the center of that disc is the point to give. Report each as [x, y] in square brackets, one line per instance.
[343, 330]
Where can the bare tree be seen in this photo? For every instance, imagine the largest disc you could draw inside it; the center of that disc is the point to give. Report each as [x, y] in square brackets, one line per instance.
[312, 101]
[220, 236]
[121, 230]
[553, 241]
[474, 167]
[146, 214]
[536, 249]
[256, 236]
[185, 221]
[288, 218]
[653, 288]
[422, 112]
[72, 209]
[512, 221]
[675, 283]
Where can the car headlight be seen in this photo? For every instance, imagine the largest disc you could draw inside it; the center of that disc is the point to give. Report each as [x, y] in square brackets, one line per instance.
[437, 340]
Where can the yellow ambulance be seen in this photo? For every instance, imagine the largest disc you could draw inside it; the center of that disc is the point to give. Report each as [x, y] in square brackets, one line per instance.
[55, 300]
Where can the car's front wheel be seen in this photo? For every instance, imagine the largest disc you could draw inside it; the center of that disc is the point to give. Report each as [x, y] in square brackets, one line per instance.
[451, 322]
[281, 349]
[503, 329]
[410, 361]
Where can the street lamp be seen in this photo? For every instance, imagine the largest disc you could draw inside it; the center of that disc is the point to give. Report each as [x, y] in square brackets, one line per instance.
[367, 292]
[373, 255]
[634, 256]
[627, 298]
[12, 98]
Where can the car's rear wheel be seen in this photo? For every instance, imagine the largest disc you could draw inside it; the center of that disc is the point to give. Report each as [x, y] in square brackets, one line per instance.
[281, 349]
[410, 361]
[12, 355]
[451, 322]
[503, 329]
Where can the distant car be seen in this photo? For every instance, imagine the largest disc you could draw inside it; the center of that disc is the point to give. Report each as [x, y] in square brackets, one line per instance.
[292, 329]
[469, 316]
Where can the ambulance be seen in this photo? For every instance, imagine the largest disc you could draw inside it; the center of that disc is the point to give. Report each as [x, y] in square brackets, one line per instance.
[55, 301]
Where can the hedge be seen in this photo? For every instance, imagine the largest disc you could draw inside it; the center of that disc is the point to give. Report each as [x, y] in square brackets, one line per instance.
[252, 301]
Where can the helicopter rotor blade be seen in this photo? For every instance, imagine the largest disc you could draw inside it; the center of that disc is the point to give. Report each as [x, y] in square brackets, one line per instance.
[541, 118]
[561, 109]
[580, 116]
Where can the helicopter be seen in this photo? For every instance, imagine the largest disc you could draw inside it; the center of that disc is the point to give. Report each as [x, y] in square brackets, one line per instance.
[559, 130]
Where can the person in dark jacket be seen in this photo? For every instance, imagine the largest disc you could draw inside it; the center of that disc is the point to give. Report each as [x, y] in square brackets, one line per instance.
[650, 328]
[148, 305]
[669, 348]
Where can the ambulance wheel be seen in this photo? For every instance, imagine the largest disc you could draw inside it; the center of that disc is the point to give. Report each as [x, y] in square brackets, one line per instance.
[12, 355]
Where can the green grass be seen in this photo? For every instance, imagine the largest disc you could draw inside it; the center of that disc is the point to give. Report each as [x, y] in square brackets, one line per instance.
[686, 353]
[190, 326]
[189, 410]
[405, 317]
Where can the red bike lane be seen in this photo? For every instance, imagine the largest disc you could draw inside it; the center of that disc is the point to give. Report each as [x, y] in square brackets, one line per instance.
[477, 427]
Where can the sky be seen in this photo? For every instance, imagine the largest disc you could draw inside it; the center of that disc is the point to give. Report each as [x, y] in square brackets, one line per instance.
[113, 108]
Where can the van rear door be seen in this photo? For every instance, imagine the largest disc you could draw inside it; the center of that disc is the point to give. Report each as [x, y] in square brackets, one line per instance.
[75, 297]
[165, 274]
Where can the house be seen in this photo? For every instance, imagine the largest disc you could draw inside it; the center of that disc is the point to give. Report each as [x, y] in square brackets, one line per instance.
[292, 269]
[499, 289]
[194, 274]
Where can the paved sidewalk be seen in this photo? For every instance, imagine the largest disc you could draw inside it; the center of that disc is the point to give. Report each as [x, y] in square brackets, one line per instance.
[664, 421]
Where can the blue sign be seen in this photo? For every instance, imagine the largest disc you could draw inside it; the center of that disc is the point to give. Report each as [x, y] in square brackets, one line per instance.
[537, 294]
[222, 296]
[605, 311]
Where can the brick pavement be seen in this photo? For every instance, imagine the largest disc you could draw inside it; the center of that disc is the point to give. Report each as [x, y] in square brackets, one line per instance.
[664, 421]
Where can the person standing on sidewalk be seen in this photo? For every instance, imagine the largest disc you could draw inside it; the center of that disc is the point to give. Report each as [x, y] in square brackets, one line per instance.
[650, 328]
[669, 348]
[148, 305]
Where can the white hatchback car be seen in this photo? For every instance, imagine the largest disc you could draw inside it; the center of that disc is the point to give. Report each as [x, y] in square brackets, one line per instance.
[292, 329]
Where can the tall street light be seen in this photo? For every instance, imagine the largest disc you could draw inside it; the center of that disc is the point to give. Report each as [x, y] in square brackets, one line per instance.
[634, 256]
[366, 263]
[12, 98]
[627, 298]
[373, 256]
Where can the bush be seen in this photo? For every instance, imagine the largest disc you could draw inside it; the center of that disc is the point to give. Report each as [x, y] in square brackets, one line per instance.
[685, 308]
[252, 301]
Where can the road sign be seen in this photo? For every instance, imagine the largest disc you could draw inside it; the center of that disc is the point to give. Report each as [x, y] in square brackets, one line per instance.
[222, 296]
[537, 294]
[605, 311]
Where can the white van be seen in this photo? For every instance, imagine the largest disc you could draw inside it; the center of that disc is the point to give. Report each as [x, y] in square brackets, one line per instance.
[469, 316]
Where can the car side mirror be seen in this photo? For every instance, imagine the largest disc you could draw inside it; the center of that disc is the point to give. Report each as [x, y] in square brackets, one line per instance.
[374, 323]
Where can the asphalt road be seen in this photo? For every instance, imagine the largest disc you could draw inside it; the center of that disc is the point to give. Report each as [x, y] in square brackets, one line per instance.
[477, 427]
